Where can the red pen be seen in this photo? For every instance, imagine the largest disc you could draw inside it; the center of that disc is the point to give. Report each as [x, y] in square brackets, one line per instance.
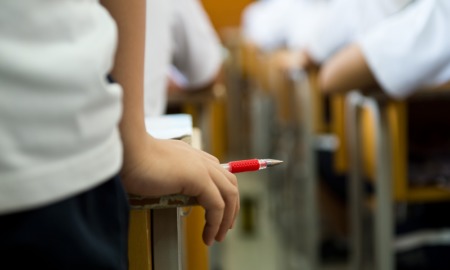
[250, 165]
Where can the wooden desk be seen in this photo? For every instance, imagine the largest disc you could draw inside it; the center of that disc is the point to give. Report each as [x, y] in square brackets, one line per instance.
[206, 106]
[385, 160]
[156, 233]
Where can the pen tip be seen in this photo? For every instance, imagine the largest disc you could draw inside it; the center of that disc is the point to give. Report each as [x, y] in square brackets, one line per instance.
[273, 162]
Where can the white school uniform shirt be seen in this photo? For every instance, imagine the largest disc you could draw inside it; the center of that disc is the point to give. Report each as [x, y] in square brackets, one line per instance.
[58, 113]
[264, 23]
[306, 18]
[196, 48]
[411, 50]
[157, 55]
[179, 36]
[269, 24]
[345, 21]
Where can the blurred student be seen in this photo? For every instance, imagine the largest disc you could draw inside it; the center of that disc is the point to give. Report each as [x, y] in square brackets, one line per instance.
[406, 52]
[333, 25]
[337, 24]
[187, 56]
[347, 20]
[70, 139]
[403, 53]
[274, 24]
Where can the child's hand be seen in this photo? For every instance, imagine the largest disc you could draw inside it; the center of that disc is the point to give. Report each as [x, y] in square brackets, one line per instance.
[164, 167]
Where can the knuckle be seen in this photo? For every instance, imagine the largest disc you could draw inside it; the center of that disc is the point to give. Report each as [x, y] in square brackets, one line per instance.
[220, 205]
[232, 195]
[216, 159]
[233, 180]
[235, 190]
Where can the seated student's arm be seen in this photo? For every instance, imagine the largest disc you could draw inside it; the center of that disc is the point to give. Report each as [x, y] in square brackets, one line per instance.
[155, 167]
[347, 70]
[196, 51]
[287, 60]
[177, 83]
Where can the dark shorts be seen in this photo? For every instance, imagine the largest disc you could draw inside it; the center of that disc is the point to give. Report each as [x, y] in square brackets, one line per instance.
[87, 231]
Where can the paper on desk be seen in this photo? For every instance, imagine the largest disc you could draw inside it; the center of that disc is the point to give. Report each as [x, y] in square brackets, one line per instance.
[169, 126]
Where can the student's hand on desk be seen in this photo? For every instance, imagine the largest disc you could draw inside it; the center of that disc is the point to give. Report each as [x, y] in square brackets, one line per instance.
[287, 60]
[164, 167]
[173, 86]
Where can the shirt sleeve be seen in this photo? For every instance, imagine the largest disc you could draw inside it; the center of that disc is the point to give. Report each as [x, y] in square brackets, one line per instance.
[335, 31]
[196, 51]
[410, 50]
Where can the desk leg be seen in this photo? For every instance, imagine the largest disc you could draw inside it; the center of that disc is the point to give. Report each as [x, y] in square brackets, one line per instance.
[166, 238]
[303, 92]
[384, 215]
[355, 187]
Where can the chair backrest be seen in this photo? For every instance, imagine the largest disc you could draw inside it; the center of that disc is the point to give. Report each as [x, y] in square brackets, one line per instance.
[399, 126]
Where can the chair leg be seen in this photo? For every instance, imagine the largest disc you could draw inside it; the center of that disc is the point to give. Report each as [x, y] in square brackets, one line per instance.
[356, 200]
[384, 216]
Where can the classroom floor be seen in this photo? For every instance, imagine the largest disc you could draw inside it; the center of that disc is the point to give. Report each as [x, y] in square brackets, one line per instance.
[256, 245]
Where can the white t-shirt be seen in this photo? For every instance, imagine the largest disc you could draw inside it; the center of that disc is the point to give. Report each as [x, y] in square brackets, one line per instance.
[180, 36]
[274, 24]
[411, 50]
[305, 21]
[264, 23]
[346, 20]
[158, 49]
[58, 113]
[196, 48]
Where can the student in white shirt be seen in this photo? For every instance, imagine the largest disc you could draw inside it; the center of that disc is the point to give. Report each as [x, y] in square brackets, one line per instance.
[189, 56]
[70, 140]
[275, 24]
[346, 21]
[321, 28]
[402, 54]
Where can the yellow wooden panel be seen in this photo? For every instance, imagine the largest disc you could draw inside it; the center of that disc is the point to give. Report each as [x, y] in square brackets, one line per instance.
[368, 143]
[196, 251]
[338, 128]
[139, 240]
[317, 98]
[397, 126]
[396, 112]
[218, 128]
[427, 194]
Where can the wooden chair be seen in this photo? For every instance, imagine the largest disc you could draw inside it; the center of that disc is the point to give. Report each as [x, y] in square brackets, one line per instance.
[378, 149]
